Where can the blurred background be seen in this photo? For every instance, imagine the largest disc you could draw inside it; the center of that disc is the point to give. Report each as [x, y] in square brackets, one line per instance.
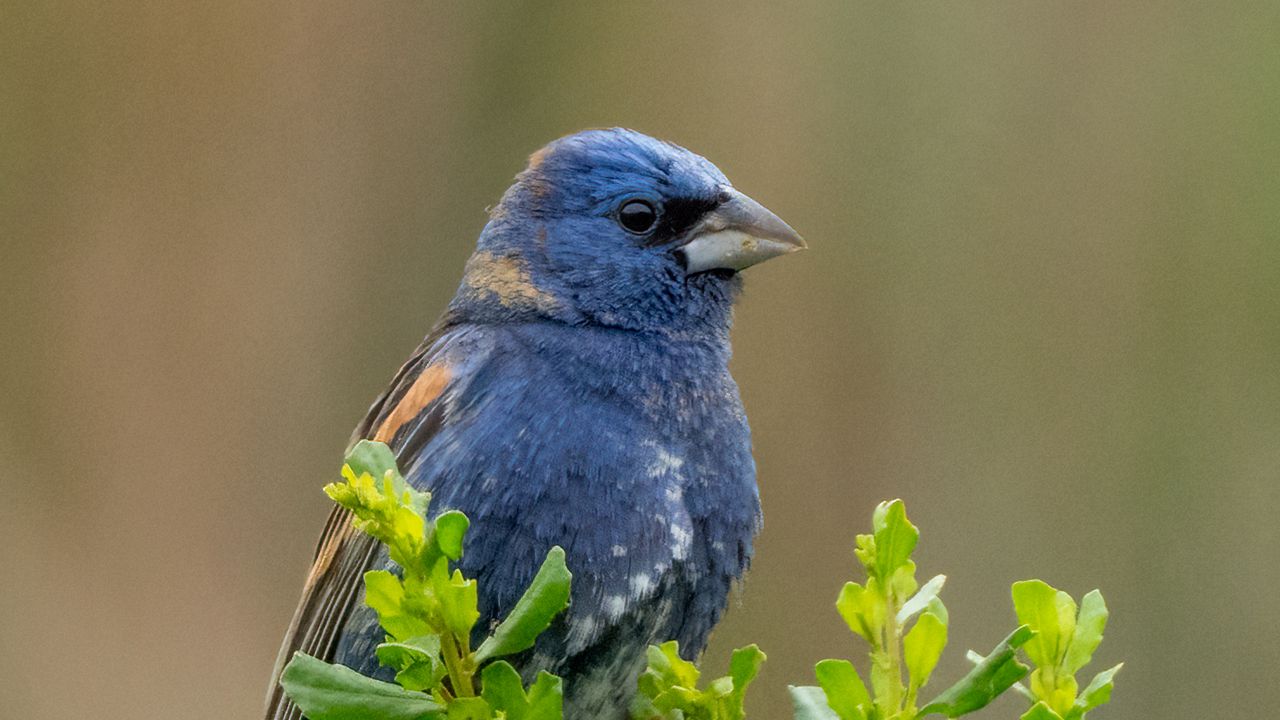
[1041, 306]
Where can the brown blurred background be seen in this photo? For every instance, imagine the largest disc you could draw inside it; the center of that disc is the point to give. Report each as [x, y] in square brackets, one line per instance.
[1041, 305]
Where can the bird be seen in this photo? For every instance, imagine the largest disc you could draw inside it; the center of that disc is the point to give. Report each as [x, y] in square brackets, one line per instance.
[576, 392]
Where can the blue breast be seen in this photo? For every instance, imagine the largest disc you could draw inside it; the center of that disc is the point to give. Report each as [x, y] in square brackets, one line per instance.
[631, 451]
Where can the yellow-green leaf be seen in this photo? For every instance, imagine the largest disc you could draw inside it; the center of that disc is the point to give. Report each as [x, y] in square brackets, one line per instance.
[863, 610]
[844, 689]
[385, 593]
[895, 537]
[1040, 711]
[922, 647]
[1041, 607]
[1090, 624]
[1097, 692]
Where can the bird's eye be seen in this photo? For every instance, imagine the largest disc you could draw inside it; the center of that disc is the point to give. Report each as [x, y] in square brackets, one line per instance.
[637, 216]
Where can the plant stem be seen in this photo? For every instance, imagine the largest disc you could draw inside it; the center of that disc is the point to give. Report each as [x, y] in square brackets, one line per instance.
[893, 649]
[459, 677]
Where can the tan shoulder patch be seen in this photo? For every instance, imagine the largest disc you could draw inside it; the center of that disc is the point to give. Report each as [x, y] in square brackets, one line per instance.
[508, 280]
[536, 159]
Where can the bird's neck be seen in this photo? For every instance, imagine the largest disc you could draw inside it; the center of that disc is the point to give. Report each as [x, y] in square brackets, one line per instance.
[621, 363]
[506, 281]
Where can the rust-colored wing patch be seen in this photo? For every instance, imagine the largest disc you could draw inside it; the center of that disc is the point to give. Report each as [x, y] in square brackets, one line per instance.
[333, 586]
[424, 391]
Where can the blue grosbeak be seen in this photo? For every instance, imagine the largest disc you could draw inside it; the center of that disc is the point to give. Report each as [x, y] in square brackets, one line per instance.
[577, 393]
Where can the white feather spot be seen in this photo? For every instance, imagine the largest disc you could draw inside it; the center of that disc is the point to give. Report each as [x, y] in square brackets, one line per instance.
[581, 632]
[614, 605]
[641, 583]
[619, 551]
[665, 462]
[681, 539]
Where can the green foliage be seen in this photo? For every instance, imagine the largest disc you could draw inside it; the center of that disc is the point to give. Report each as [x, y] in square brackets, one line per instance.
[881, 613]
[429, 609]
[428, 613]
[1066, 638]
[668, 688]
[546, 597]
[994, 674]
[325, 691]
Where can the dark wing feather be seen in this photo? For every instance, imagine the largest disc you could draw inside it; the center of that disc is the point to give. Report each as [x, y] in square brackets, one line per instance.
[344, 554]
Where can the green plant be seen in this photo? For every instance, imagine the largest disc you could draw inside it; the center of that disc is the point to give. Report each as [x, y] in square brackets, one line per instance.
[428, 614]
[1056, 636]
[881, 612]
[429, 609]
[1065, 640]
[668, 688]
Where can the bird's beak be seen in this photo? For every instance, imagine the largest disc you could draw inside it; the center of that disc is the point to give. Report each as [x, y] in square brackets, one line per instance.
[738, 234]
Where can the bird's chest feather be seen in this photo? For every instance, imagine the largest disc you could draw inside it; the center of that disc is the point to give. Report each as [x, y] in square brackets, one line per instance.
[632, 453]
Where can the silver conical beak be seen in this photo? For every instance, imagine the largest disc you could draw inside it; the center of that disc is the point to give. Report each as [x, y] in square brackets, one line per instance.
[738, 234]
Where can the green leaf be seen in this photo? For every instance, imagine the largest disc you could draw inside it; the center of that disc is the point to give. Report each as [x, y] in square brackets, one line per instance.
[1017, 687]
[459, 604]
[1090, 624]
[937, 608]
[501, 686]
[865, 550]
[1097, 692]
[921, 600]
[1051, 614]
[450, 528]
[902, 584]
[385, 593]
[545, 598]
[1055, 688]
[895, 537]
[670, 668]
[375, 458]
[922, 647]
[334, 692]
[990, 677]
[843, 688]
[720, 688]
[469, 708]
[744, 665]
[546, 698]
[416, 661]
[1040, 711]
[862, 609]
[384, 506]
[810, 703]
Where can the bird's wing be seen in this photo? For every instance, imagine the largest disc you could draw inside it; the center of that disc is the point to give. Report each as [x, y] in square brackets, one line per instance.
[405, 416]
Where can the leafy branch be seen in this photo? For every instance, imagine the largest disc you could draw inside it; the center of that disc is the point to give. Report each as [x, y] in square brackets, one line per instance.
[1057, 636]
[428, 610]
[1066, 638]
[881, 613]
[428, 613]
[668, 688]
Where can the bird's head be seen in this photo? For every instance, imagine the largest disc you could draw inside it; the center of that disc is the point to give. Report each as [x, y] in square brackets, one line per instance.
[615, 228]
